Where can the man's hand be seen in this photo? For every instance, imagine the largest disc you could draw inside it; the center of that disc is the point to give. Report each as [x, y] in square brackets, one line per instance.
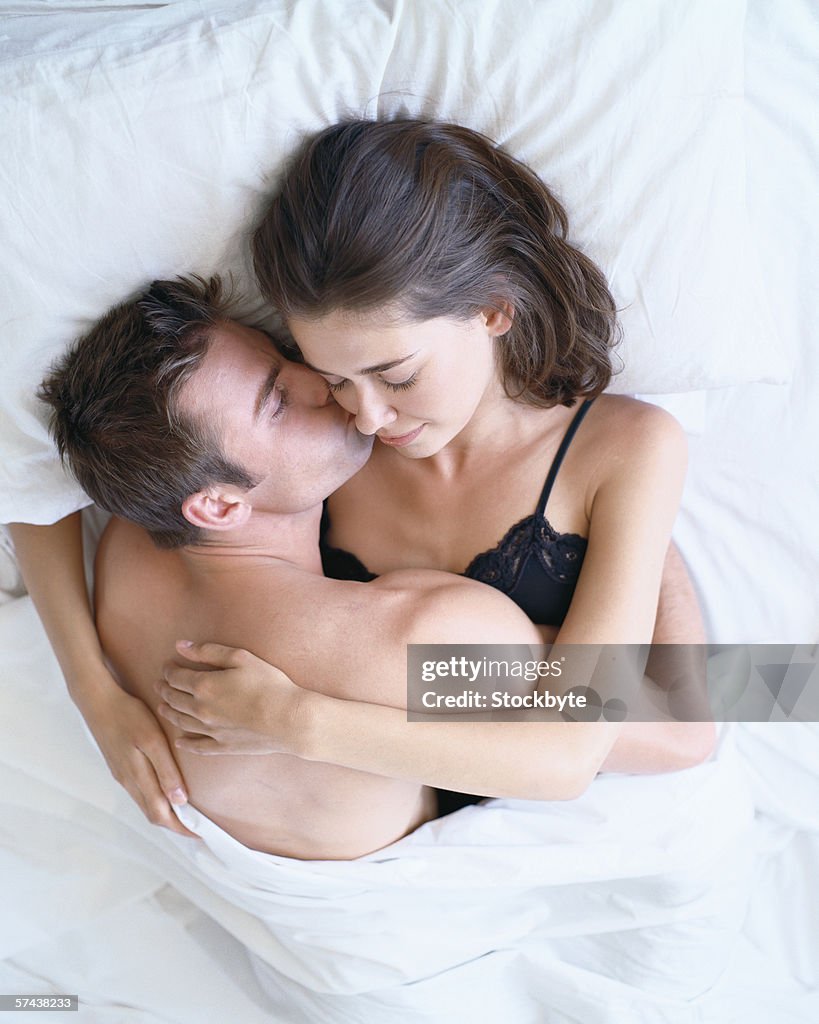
[136, 751]
[235, 704]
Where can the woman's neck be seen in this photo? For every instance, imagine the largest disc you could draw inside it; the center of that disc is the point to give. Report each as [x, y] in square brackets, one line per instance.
[498, 427]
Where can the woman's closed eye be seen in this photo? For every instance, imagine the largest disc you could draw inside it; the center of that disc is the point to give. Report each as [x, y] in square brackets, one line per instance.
[399, 385]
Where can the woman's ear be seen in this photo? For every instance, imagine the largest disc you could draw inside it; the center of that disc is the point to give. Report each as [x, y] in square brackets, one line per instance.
[498, 317]
[215, 509]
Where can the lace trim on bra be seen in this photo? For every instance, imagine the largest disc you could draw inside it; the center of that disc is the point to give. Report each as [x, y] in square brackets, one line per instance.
[560, 555]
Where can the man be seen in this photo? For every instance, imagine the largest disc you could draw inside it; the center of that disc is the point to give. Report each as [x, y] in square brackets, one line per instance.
[195, 429]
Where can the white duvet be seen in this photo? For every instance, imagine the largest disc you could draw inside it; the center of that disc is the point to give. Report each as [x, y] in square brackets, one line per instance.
[628, 904]
[616, 906]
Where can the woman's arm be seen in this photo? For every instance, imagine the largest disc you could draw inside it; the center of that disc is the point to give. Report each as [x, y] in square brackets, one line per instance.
[242, 705]
[129, 736]
[677, 662]
[632, 504]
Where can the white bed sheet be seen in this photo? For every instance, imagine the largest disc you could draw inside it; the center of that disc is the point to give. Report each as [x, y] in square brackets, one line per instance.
[89, 904]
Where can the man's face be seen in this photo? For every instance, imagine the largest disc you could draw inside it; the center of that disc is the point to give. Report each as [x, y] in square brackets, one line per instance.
[274, 418]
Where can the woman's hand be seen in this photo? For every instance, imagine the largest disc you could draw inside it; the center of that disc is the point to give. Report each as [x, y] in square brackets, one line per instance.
[130, 738]
[235, 704]
[137, 753]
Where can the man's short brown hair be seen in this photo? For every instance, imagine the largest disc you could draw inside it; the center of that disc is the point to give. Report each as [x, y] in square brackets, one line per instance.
[115, 413]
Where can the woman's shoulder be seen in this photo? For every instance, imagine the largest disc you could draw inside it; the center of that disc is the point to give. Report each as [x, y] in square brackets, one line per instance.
[625, 410]
[630, 438]
[618, 421]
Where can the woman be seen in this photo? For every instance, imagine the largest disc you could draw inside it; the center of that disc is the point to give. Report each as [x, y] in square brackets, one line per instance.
[426, 275]
[424, 246]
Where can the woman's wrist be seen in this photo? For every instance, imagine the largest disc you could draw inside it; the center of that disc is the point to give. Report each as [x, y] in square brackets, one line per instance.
[310, 724]
[89, 683]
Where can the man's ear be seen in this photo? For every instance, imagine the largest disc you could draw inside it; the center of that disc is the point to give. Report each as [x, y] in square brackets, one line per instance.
[498, 317]
[215, 509]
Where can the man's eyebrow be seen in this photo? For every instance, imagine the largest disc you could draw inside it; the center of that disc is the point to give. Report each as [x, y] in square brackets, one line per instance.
[266, 390]
[367, 370]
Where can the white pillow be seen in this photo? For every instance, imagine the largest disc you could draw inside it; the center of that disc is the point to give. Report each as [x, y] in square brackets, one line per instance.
[139, 143]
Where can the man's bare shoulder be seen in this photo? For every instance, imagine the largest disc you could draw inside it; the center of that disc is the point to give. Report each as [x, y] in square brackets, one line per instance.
[344, 638]
[359, 632]
[127, 562]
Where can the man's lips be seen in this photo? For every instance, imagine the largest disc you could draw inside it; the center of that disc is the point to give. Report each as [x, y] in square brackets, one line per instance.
[399, 440]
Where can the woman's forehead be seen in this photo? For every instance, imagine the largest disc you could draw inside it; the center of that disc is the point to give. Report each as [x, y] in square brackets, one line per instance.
[345, 331]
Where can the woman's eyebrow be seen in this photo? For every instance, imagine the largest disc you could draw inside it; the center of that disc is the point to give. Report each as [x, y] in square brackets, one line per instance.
[367, 370]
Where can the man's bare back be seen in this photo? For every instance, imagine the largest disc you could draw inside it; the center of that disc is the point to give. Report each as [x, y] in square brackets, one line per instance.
[344, 639]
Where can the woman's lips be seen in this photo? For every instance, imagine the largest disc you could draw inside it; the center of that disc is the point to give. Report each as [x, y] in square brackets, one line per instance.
[401, 439]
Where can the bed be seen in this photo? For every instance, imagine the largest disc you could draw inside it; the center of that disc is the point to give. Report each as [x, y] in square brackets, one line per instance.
[139, 140]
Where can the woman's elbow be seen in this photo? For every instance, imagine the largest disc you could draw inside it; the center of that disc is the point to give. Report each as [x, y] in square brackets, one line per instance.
[577, 785]
[567, 784]
[570, 760]
[564, 788]
[696, 743]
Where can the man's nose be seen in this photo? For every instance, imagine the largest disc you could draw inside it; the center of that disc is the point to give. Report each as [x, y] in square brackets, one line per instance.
[371, 410]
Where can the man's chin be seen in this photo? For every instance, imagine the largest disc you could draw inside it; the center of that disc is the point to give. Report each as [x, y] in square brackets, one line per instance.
[357, 454]
[363, 442]
[352, 454]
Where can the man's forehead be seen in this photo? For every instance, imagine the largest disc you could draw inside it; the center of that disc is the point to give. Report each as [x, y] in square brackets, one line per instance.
[231, 334]
[235, 351]
[237, 358]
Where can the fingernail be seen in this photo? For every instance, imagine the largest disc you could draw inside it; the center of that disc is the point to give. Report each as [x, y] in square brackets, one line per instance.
[184, 643]
[178, 796]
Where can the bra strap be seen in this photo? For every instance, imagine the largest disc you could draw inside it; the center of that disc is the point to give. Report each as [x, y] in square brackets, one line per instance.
[561, 453]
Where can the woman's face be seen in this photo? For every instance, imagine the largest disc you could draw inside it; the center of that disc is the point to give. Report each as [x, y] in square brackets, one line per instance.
[414, 384]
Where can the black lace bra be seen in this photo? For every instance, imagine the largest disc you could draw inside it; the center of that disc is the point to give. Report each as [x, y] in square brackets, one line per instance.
[533, 564]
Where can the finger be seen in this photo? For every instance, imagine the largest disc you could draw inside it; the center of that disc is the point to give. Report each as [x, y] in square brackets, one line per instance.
[166, 770]
[152, 802]
[187, 723]
[170, 821]
[218, 655]
[162, 815]
[180, 700]
[159, 812]
[181, 678]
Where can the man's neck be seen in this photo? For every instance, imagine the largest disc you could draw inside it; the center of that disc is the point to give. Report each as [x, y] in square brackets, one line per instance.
[267, 538]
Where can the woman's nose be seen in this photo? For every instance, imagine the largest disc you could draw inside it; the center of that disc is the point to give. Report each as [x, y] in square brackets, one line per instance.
[370, 409]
